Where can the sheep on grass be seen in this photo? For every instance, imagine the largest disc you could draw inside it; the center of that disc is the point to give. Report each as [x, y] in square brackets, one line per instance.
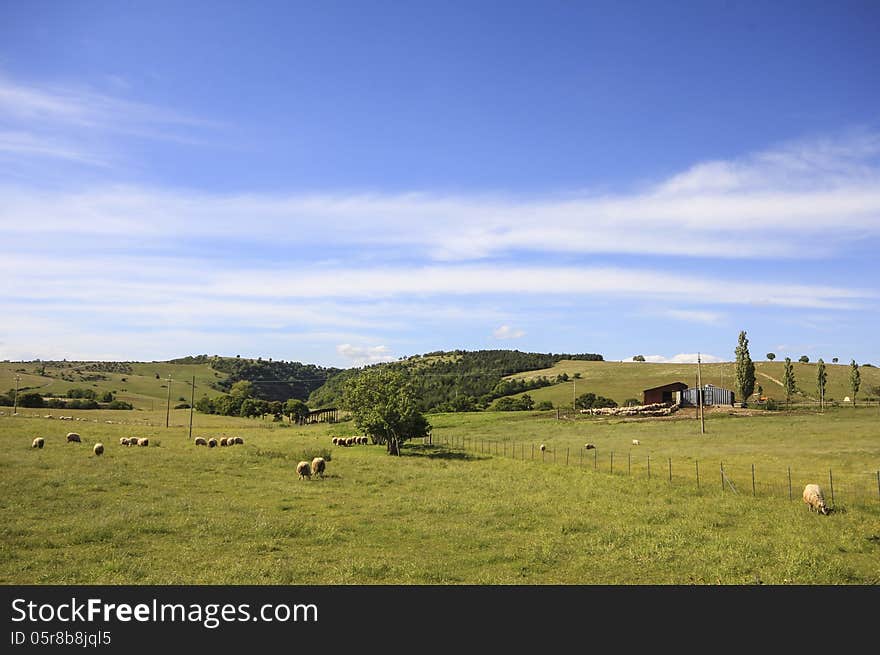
[815, 499]
[304, 470]
[99, 448]
[238, 440]
[123, 441]
[38, 443]
[318, 466]
[143, 442]
[73, 437]
[212, 442]
[201, 441]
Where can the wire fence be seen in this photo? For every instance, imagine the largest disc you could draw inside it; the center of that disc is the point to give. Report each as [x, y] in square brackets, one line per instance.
[753, 479]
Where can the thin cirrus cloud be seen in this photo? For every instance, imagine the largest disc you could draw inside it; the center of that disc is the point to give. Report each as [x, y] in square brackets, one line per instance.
[361, 355]
[683, 358]
[508, 332]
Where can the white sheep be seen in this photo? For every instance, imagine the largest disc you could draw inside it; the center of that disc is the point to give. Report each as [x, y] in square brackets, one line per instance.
[589, 446]
[143, 442]
[99, 448]
[212, 442]
[815, 499]
[543, 448]
[304, 470]
[38, 443]
[223, 441]
[238, 440]
[636, 442]
[318, 465]
[123, 441]
[73, 437]
[201, 441]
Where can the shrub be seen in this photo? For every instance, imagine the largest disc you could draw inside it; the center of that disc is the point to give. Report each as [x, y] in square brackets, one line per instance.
[181, 406]
[544, 405]
[632, 402]
[771, 405]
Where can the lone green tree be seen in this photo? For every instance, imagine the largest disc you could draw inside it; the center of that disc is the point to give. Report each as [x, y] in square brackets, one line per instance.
[771, 356]
[804, 359]
[855, 380]
[821, 379]
[639, 358]
[296, 410]
[788, 381]
[745, 369]
[384, 406]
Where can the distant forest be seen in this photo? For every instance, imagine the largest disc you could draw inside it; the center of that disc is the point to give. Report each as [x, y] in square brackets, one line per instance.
[459, 380]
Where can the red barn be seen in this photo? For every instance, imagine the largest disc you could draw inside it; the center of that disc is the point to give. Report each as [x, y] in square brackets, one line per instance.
[668, 393]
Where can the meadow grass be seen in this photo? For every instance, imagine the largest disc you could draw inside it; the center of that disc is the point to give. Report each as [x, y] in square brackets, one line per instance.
[624, 380]
[174, 513]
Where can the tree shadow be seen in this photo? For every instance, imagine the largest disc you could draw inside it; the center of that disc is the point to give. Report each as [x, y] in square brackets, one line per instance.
[437, 452]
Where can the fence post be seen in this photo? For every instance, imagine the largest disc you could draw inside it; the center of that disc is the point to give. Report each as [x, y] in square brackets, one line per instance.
[612, 462]
[722, 477]
[649, 467]
[878, 485]
[596, 459]
[670, 470]
[697, 466]
[789, 483]
[831, 482]
[629, 463]
[753, 479]
[533, 451]
[566, 456]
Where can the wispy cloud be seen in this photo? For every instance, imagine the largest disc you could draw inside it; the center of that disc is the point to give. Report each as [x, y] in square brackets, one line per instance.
[361, 355]
[507, 332]
[693, 315]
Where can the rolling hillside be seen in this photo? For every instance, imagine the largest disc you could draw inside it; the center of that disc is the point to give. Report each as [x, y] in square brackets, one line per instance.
[622, 380]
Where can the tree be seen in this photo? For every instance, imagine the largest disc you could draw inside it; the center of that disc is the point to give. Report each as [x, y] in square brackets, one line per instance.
[384, 406]
[242, 389]
[771, 356]
[834, 360]
[590, 400]
[544, 405]
[855, 380]
[788, 381]
[745, 369]
[804, 359]
[821, 379]
[107, 397]
[296, 410]
[639, 358]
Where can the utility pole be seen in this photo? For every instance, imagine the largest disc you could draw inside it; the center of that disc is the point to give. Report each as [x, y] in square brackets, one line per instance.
[15, 401]
[700, 396]
[574, 385]
[168, 403]
[191, 405]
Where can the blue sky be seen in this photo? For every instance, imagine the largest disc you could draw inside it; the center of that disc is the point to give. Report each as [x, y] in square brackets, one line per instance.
[351, 182]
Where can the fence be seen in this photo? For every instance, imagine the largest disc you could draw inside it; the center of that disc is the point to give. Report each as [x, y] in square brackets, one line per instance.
[752, 479]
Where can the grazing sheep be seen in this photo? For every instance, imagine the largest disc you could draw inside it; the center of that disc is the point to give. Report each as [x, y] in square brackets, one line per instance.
[143, 442]
[815, 499]
[123, 441]
[365, 441]
[543, 448]
[589, 446]
[99, 448]
[212, 442]
[304, 470]
[38, 443]
[334, 440]
[223, 441]
[73, 437]
[318, 465]
[239, 440]
[201, 441]
[636, 442]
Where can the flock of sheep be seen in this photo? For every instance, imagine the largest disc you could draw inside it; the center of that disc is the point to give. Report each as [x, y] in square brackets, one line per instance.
[813, 495]
[223, 441]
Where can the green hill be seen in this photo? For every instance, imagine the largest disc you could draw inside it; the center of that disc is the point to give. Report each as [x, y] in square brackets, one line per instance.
[623, 380]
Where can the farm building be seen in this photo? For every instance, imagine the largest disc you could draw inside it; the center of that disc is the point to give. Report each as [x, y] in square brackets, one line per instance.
[668, 393]
[712, 395]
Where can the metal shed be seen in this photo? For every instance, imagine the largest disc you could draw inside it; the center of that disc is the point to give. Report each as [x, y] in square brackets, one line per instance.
[712, 395]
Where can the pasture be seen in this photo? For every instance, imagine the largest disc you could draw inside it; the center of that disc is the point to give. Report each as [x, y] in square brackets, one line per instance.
[622, 380]
[174, 513]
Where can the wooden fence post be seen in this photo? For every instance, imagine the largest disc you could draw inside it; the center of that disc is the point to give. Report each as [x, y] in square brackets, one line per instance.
[670, 469]
[629, 463]
[722, 477]
[831, 482]
[612, 462]
[596, 459]
[753, 479]
[697, 466]
[566, 456]
[789, 483]
[649, 467]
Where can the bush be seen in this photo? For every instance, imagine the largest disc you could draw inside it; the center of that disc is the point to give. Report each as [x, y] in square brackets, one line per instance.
[771, 405]
[82, 403]
[30, 400]
[181, 406]
[632, 402]
[544, 405]
[120, 404]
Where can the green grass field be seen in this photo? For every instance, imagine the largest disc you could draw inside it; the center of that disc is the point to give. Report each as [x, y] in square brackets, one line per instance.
[140, 387]
[622, 380]
[449, 513]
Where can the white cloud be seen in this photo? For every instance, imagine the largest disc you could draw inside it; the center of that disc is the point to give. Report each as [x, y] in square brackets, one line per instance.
[362, 355]
[683, 358]
[507, 332]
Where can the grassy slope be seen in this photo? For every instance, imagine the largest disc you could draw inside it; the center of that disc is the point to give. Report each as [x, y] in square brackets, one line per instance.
[180, 514]
[140, 388]
[622, 380]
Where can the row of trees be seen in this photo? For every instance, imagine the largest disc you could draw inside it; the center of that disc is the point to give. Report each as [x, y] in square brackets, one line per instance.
[35, 400]
[803, 359]
[241, 401]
